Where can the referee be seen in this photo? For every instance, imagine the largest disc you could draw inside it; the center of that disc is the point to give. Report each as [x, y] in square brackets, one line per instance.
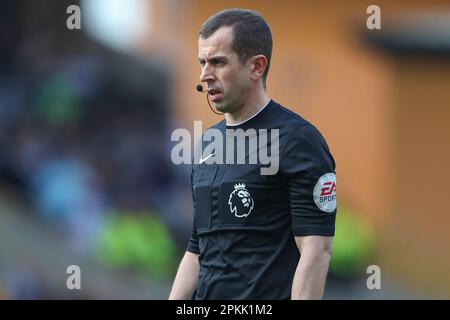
[256, 236]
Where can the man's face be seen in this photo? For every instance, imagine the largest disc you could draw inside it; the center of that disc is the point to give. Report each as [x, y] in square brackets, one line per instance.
[228, 80]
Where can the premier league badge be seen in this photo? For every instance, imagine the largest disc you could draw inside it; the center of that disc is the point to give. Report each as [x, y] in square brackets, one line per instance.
[240, 201]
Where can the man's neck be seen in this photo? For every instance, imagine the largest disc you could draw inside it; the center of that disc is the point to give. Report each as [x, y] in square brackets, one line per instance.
[252, 107]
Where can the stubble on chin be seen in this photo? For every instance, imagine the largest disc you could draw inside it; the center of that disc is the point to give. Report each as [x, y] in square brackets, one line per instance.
[222, 107]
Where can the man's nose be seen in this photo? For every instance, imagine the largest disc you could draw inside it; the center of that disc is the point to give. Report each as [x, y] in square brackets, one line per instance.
[206, 74]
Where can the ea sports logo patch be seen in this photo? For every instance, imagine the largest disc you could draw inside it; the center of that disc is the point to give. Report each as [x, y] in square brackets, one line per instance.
[241, 202]
[325, 192]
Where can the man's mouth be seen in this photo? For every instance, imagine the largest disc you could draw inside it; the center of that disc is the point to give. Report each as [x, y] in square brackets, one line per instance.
[214, 94]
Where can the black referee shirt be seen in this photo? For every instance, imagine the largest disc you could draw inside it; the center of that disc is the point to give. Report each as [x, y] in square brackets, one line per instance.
[245, 222]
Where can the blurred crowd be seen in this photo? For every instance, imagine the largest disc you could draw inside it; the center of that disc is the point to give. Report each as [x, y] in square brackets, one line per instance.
[80, 137]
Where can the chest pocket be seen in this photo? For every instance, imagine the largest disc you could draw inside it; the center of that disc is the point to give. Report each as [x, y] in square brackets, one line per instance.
[202, 180]
[242, 194]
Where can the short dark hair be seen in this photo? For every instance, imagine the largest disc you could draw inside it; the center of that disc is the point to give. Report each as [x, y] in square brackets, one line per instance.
[251, 33]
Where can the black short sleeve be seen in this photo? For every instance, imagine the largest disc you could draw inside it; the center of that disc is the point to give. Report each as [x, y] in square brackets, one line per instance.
[309, 168]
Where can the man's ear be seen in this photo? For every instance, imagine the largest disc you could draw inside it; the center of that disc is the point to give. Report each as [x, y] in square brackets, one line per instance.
[259, 65]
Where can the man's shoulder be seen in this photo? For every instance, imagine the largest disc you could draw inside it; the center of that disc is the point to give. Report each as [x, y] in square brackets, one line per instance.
[288, 118]
[298, 128]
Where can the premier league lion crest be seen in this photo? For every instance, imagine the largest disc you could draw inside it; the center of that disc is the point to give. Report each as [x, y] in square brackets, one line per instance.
[240, 201]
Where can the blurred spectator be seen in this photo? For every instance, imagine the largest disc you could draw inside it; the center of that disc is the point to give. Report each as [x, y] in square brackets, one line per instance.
[80, 135]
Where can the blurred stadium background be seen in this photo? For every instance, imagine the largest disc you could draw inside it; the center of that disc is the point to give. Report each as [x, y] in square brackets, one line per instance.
[86, 117]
